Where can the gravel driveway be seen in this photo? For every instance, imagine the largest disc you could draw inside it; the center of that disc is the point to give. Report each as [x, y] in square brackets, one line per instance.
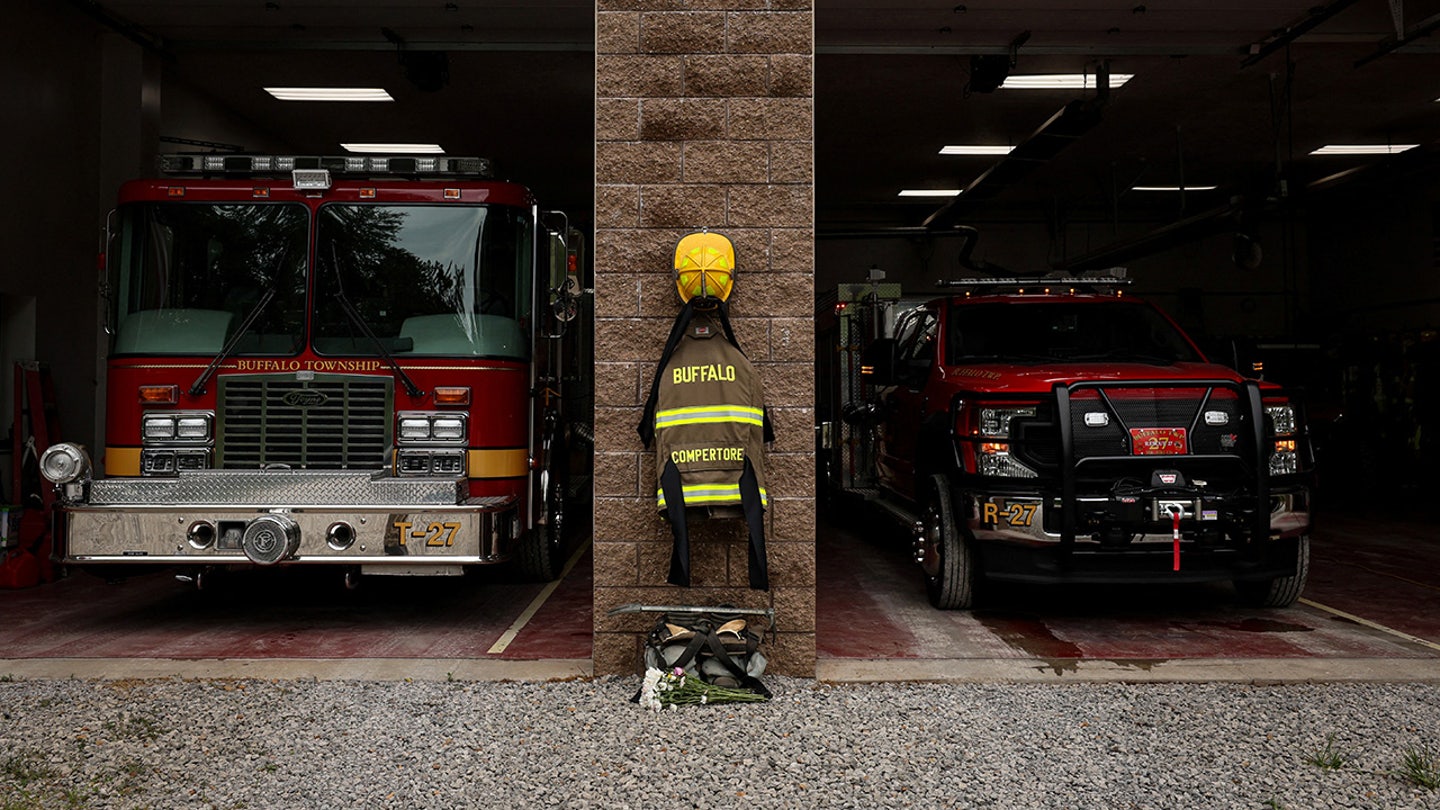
[344, 744]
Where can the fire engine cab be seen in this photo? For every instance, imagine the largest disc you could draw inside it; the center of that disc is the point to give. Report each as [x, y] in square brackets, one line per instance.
[350, 361]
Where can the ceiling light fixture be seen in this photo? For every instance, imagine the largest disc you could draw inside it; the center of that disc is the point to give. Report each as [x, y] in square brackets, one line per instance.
[1061, 81]
[975, 149]
[329, 93]
[929, 192]
[1363, 148]
[395, 148]
[1173, 188]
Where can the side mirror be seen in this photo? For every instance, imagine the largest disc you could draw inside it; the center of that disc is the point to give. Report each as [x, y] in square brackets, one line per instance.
[877, 362]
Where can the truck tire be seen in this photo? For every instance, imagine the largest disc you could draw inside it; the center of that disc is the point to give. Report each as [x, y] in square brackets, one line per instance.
[541, 552]
[1280, 591]
[946, 558]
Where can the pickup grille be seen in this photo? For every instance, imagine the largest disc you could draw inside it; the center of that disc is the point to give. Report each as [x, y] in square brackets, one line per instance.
[1037, 440]
[331, 422]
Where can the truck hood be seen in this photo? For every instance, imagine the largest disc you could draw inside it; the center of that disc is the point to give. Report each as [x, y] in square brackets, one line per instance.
[1039, 378]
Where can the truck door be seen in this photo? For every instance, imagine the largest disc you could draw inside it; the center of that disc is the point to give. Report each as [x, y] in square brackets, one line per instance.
[905, 402]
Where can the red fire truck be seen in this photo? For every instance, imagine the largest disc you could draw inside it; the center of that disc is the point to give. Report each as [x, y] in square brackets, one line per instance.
[351, 361]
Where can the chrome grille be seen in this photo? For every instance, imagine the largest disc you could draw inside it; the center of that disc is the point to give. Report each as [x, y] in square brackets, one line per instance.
[330, 422]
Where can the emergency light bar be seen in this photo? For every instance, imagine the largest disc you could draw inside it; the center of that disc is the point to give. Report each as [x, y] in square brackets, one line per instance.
[364, 165]
[1114, 277]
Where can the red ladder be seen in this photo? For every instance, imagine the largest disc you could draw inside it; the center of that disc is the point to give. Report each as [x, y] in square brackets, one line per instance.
[36, 427]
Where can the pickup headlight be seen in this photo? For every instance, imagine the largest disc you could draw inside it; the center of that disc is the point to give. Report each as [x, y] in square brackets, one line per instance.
[995, 422]
[1284, 455]
[992, 454]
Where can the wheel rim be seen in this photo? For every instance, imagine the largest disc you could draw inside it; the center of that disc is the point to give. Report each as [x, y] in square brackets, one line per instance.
[932, 543]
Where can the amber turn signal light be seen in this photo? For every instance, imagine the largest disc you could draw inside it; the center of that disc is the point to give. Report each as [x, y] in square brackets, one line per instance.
[159, 394]
[452, 395]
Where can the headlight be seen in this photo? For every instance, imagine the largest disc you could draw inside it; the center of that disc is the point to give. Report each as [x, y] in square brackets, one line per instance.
[448, 427]
[158, 427]
[414, 428]
[192, 427]
[184, 427]
[419, 427]
[63, 463]
[996, 421]
[1282, 417]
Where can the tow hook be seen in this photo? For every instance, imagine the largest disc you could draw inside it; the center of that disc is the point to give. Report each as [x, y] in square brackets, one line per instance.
[1175, 511]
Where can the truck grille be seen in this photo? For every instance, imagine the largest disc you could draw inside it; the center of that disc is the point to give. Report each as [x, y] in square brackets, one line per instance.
[1037, 441]
[331, 422]
[1150, 408]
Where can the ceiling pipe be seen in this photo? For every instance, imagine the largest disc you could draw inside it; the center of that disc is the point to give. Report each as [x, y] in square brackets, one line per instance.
[1227, 217]
[1290, 33]
[1424, 28]
[145, 39]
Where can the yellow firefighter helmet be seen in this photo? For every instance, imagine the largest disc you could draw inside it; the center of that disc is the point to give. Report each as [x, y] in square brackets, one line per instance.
[704, 267]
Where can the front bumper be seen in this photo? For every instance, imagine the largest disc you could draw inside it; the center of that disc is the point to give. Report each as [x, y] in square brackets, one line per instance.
[218, 517]
[1021, 538]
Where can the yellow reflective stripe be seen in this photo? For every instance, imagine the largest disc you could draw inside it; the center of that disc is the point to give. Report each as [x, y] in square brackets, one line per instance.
[512, 463]
[709, 414]
[122, 461]
[695, 494]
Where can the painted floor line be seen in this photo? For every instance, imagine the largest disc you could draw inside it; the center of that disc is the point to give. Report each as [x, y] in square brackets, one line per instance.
[524, 618]
[1406, 580]
[1372, 625]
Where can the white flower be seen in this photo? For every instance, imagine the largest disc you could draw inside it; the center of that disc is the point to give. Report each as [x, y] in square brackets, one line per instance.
[704, 699]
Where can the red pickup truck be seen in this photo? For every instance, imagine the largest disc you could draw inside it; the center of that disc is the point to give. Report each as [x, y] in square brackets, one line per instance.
[1061, 431]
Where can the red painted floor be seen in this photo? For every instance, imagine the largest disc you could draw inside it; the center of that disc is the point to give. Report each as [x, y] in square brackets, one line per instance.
[295, 613]
[874, 606]
[871, 605]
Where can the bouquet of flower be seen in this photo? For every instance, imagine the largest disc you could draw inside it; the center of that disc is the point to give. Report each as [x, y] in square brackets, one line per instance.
[676, 689]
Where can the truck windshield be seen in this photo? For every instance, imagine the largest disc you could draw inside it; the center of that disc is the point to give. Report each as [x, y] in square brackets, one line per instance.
[1068, 332]
[185, 275]
[426, 279]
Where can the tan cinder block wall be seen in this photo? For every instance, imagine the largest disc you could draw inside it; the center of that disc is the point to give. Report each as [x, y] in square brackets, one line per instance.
[703, 118]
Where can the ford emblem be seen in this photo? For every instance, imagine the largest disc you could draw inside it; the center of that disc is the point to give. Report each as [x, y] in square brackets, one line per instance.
[305, 398]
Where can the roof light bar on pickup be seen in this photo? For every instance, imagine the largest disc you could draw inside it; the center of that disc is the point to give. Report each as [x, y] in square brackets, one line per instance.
[372, 165]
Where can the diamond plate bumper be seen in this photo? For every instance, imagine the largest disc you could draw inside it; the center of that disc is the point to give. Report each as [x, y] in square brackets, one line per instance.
[201, 518]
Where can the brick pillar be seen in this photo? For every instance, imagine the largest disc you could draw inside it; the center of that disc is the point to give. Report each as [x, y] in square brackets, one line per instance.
[703, 118]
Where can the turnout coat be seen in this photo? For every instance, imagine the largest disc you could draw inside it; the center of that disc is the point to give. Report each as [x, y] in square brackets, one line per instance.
[706, 414]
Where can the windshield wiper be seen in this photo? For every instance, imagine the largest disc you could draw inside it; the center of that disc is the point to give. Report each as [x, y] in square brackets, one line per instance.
[198, 387]
[359, 320]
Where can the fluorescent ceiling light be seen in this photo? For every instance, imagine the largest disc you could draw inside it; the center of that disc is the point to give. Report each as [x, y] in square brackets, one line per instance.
[395, 148]
[975, 149]
[1363, 148]
[1061, 81]
[329, 93]
[1173, 188]
[929, 192]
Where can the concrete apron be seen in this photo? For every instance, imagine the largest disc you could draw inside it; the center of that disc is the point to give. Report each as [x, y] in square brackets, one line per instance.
[1371, 613]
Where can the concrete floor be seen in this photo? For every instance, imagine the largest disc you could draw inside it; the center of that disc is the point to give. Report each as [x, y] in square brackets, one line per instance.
[1371, 612]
